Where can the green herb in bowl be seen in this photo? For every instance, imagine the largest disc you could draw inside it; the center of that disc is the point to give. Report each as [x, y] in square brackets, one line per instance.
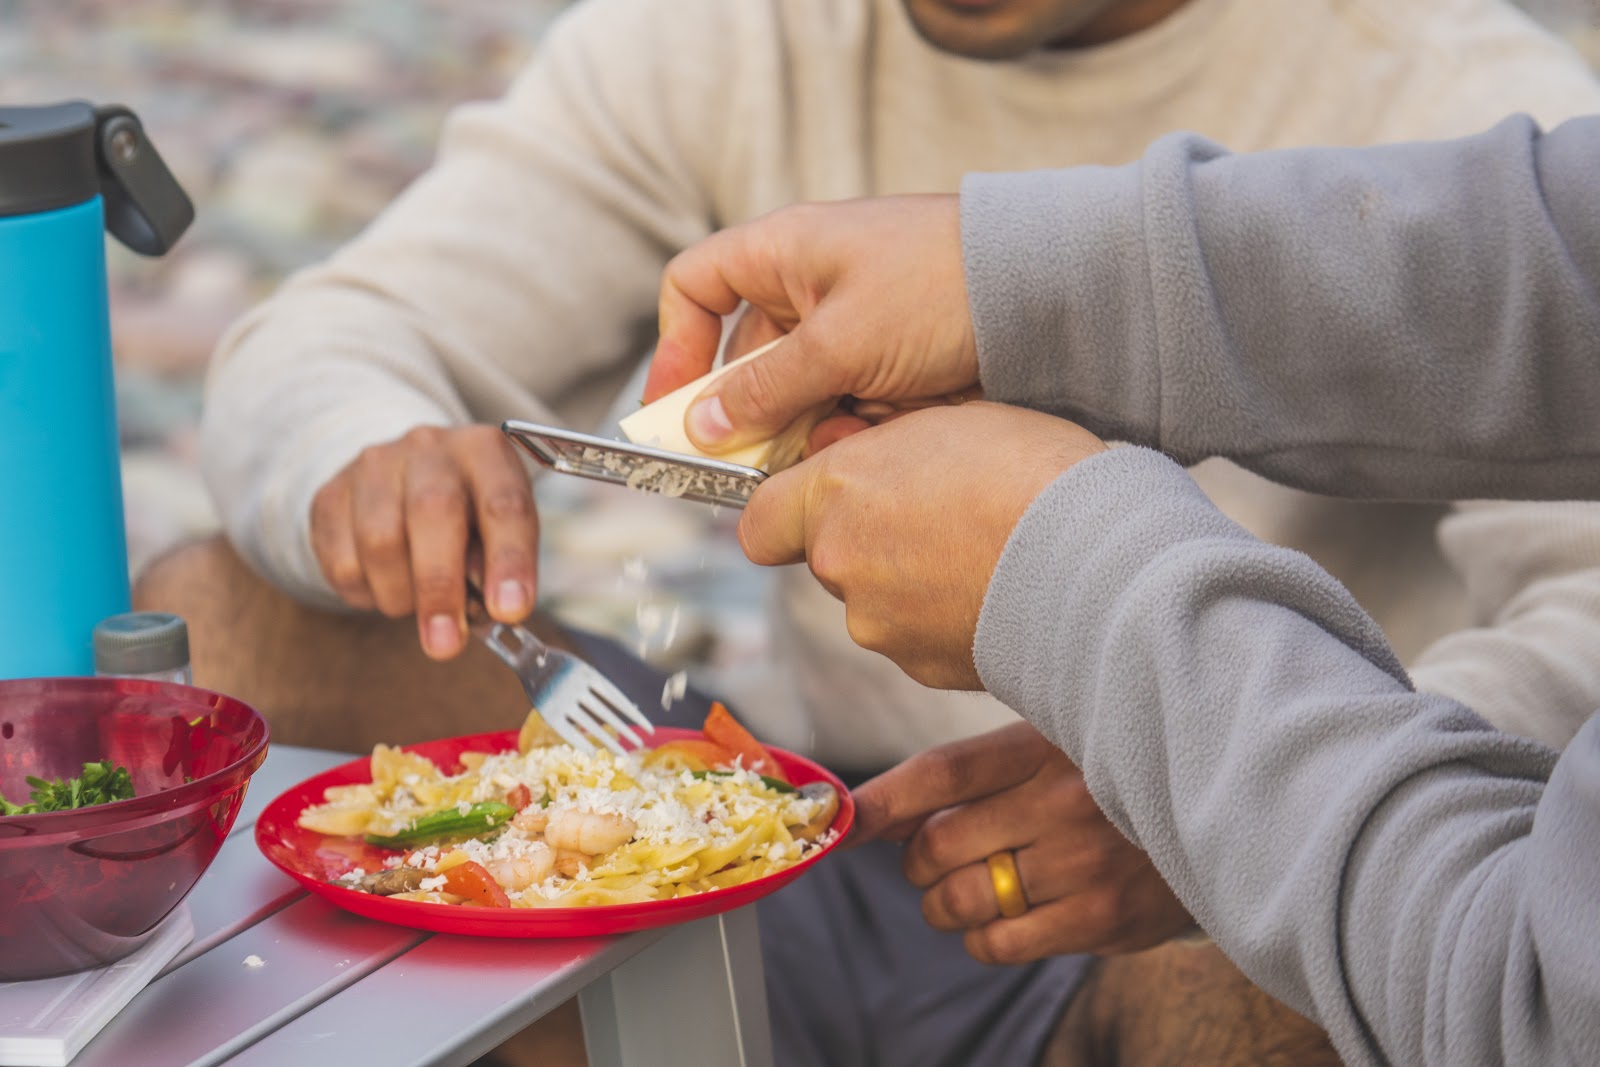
[100, 783]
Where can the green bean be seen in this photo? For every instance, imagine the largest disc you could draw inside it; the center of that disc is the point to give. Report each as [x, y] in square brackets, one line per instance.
[448, 825]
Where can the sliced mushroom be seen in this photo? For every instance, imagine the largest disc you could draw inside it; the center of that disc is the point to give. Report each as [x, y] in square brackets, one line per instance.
[389, 883]
[827, 806]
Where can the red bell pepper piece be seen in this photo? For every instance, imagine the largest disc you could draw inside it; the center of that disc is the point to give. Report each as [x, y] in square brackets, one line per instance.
[472, 881]
[723, 729]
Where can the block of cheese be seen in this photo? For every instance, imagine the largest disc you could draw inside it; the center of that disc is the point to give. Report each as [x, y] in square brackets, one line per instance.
[660, 425]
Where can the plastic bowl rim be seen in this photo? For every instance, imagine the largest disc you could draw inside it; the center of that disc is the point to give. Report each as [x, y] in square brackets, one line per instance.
[154, 808]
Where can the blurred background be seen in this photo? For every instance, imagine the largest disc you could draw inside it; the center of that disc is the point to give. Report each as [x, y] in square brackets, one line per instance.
[291, 123]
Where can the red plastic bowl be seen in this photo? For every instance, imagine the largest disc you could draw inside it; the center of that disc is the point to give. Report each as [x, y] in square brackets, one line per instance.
[313, 859]
[85, 888]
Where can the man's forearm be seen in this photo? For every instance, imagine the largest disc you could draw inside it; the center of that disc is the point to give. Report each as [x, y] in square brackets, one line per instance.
[1365, 853]
[516, 274]
[1412, 320]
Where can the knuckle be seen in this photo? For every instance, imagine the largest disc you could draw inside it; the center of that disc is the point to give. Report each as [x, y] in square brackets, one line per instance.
[936, 910]
[482, 445]
[1003, 943]
[967, 899]
[931, 673]
[426, 437]
[511, 562]
[859, 629]
[383, 542]
[345, 575]
[867, 631]
[370, 461]
[833, 486]
[825, 562]
[480, 434]
[437, 588]
[437, 498]
[1071, 792]
[830, 567]
[939, 843]
[509, 503]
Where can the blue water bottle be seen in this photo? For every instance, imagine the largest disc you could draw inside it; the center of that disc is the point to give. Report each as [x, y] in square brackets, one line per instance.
[68, 172]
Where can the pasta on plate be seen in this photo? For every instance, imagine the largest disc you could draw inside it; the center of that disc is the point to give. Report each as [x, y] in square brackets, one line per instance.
[546, 825]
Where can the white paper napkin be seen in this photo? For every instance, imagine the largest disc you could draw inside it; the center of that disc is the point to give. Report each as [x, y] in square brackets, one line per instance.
[46, 1022]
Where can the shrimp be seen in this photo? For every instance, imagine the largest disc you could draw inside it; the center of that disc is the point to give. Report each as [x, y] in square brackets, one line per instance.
[519, 872]
[592, 833]
[568, 864]
[531, 819]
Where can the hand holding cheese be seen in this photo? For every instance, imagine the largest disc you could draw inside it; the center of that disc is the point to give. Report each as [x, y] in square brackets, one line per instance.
[872, 293]
[661, 424]
[905, 523]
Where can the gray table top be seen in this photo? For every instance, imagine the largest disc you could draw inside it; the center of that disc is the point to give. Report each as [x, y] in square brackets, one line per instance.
[334, 988]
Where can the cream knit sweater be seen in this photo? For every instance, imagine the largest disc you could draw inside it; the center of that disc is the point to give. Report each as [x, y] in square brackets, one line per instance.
[517, 278]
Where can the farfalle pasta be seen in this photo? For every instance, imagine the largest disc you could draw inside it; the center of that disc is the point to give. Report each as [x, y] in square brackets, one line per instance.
[549, 826]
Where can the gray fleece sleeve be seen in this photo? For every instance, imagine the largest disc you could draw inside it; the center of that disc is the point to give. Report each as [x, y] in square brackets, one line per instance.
[1419, 883]
[1413, 320]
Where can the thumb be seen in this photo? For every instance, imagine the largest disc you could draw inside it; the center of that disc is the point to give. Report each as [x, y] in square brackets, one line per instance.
[762, 393]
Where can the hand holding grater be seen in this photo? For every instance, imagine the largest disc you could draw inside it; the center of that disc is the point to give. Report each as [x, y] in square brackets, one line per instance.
[672, 466]
[657, 470]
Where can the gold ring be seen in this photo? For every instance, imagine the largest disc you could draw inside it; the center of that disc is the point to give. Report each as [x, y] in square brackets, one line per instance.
[1007, 884]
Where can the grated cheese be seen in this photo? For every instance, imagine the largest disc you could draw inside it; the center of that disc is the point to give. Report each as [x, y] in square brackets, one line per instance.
[675, 686]
[669, 810]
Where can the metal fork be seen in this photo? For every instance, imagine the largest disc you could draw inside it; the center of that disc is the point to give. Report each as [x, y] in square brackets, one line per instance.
[578, 702]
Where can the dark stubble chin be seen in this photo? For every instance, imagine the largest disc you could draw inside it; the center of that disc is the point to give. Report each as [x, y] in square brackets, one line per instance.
[1008, 29]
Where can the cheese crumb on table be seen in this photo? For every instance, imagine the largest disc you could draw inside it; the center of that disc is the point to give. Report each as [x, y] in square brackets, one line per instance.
[254, 962]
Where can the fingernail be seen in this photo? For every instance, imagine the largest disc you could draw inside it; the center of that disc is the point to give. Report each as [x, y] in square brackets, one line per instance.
[708, 420]
[443, 635]
[510, 598]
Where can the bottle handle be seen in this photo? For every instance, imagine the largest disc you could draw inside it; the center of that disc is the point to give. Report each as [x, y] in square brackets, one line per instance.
[146, 209]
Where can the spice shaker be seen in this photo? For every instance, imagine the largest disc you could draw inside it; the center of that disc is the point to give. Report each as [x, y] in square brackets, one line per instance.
[143, 644]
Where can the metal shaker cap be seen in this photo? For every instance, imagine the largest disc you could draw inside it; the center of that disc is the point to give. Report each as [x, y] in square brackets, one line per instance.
[141, 642]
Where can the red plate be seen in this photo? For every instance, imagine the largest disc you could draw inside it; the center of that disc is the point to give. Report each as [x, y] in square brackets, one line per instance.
[312, 859]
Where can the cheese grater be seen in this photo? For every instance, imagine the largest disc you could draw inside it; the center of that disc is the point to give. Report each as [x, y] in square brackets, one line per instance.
[653, 470]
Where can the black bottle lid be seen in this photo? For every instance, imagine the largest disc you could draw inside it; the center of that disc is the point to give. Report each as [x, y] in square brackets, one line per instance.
[46, 158]
[59, 155]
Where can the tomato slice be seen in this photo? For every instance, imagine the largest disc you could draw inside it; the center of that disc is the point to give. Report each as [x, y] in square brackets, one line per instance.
[472, 881]
[723, 729]
[519, 796]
